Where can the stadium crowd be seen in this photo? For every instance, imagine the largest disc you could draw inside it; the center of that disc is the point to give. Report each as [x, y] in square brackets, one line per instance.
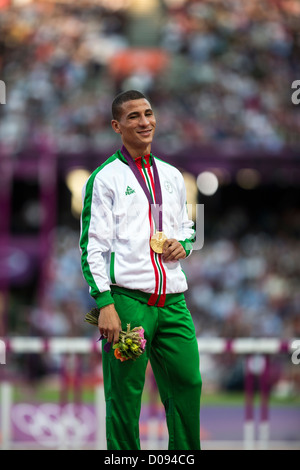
[228, 78]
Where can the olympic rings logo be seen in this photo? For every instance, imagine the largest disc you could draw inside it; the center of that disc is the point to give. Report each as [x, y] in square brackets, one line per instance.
[53, 425]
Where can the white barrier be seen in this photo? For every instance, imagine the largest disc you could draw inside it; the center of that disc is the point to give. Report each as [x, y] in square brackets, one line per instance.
[242, 346]
[24, 344]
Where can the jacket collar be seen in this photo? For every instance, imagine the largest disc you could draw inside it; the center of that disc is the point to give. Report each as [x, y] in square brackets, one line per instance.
[147, 159]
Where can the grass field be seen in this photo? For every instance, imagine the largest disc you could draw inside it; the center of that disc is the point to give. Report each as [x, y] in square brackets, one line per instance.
[51, 392]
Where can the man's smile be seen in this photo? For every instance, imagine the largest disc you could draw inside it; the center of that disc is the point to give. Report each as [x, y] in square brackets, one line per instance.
[145, 132]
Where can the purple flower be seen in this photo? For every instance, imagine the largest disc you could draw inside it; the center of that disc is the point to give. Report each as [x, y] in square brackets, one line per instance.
[106, 346]
[143, 343]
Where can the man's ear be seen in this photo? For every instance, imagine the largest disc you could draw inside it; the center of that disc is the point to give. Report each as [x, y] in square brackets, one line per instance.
[115, 126]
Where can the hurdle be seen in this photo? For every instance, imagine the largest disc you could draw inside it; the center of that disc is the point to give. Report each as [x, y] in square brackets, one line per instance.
[253, 349]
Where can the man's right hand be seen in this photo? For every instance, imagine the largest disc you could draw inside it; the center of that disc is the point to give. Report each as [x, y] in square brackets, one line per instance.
[109, 323]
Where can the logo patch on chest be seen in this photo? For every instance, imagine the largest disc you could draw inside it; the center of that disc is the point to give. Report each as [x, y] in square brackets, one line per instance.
[129, 191]
[168, 186]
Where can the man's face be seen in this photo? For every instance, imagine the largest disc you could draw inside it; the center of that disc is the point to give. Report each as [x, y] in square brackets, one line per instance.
[136, 124]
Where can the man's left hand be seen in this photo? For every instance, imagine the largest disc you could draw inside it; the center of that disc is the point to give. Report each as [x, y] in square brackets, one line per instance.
[173, 250]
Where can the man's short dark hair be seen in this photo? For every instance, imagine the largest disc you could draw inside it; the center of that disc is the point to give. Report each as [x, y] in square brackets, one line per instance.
[123, 98]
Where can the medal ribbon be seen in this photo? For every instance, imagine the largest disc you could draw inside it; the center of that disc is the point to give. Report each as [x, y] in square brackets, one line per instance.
[156, 209]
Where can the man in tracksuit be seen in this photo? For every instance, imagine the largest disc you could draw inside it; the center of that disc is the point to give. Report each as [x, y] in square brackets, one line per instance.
[134, 231]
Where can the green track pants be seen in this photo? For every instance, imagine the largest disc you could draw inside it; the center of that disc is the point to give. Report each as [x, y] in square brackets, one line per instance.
[173, 353]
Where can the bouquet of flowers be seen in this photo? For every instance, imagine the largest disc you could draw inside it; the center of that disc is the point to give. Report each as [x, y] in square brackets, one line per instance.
[92, 316]
[131, 344]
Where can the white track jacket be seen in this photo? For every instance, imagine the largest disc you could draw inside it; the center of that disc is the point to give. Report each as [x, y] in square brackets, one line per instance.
[116, 227]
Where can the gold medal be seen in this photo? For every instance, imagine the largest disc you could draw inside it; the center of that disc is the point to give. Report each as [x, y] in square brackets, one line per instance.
[157, 242]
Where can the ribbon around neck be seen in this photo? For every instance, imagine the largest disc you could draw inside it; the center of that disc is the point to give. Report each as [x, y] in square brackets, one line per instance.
[156, 209]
